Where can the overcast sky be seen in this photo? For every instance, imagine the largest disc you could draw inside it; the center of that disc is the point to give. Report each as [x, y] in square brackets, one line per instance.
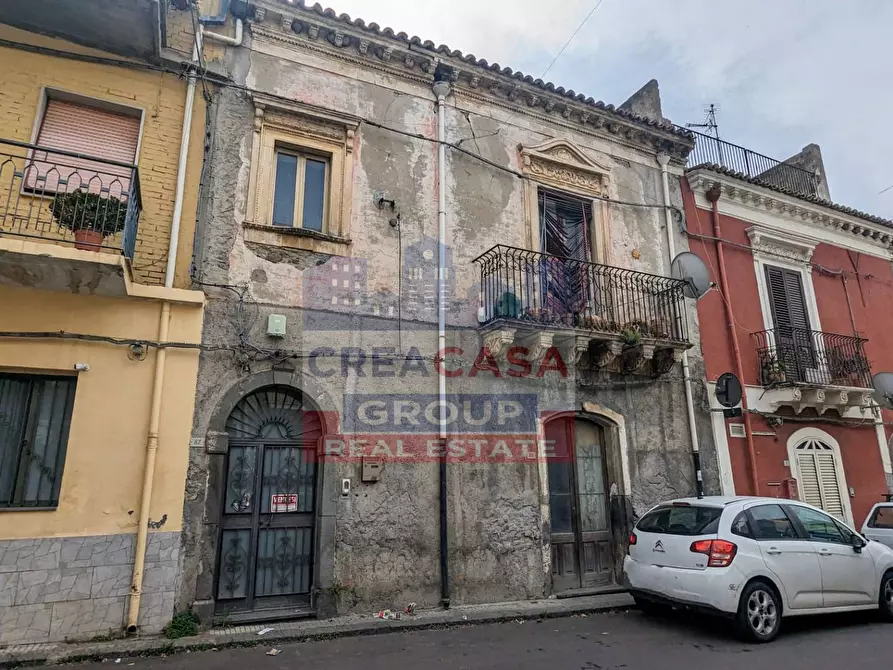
[783, 72]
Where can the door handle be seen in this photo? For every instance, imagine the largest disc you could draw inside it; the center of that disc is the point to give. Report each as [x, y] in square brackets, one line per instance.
[773, 551]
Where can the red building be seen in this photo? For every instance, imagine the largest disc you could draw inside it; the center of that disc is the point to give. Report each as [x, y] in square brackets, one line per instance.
[803, 314]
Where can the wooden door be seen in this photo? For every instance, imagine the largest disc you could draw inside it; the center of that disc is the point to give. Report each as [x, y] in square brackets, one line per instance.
[581, 538]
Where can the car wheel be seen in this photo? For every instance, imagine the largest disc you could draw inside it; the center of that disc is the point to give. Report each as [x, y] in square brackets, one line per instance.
[885, 601]
[759, 613]
[648, 607]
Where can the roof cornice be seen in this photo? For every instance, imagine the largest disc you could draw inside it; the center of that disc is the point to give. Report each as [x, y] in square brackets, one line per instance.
[322, 30]
[790, 207]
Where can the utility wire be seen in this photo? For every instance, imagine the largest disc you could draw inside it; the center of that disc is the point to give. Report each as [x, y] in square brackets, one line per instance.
[571, 38]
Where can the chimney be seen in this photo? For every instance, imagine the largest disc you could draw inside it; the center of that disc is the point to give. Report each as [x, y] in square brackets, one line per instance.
[810, 158]
[645, 102]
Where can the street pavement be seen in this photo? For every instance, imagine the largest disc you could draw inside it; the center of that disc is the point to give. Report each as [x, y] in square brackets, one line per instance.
[628, 640]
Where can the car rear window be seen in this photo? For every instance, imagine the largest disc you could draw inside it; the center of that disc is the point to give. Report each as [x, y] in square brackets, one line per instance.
[681, 520]
[882, 518]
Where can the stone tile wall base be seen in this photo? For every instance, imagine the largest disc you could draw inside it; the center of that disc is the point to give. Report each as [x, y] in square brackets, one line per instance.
[76, 588]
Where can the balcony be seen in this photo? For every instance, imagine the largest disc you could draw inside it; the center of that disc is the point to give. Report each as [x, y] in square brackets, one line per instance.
[605, 317]
[66, 219]
[814, 369]
[126, 27]
[709, 150]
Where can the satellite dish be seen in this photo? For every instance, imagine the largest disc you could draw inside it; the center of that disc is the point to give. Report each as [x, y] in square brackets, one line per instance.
[728, 390]
[691, 269]
[883, 389]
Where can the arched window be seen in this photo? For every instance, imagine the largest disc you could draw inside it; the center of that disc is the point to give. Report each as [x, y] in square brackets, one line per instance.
[816, 464]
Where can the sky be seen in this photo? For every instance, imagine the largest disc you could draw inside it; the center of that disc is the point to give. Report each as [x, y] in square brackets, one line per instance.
[784, 73]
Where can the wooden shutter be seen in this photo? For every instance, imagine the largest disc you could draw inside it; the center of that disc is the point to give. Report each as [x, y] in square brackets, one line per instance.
[819, 483]
[82, 129]
[810, 490]
[787, 298]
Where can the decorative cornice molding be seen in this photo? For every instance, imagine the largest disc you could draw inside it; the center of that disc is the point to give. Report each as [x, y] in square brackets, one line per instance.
[791, 208]
[791, 247]
[565, 164]
[492, 85]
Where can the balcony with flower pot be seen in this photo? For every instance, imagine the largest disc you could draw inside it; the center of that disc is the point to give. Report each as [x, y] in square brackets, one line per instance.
[66, 219]
[599, 316]
[811, 369]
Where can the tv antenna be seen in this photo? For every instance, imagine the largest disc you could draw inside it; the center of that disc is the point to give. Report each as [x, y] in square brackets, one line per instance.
[710, 126]
[711, 129]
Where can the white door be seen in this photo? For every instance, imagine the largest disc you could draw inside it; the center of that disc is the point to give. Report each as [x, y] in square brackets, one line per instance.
[820, 479]
[791, 558]
[848, 576]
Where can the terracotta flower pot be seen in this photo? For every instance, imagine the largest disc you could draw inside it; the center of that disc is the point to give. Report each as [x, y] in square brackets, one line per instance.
[88, 240]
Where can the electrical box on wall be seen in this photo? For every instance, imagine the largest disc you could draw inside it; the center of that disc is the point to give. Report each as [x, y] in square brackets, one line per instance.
[276, 325]
[372, 469]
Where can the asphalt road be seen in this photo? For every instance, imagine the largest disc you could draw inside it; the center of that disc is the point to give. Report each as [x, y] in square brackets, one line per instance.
[627, 640]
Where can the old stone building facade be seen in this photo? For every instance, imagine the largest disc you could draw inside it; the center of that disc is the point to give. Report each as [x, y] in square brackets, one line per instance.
[316, 472]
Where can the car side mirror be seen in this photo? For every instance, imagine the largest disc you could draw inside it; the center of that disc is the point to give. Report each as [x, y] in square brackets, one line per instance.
[857, 543]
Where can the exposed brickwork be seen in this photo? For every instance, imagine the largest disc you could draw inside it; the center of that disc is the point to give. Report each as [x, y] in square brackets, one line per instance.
[161, 97]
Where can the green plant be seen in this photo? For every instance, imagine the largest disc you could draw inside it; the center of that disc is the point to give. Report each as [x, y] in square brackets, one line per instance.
[81, 210]
[183, 624]
[630, 337]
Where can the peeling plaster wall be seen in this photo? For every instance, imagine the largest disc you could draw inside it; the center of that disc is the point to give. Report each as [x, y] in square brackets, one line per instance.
[379, 547]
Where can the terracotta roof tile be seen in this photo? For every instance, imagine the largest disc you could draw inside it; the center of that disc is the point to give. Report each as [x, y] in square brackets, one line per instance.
[482, 63]
[713, 167]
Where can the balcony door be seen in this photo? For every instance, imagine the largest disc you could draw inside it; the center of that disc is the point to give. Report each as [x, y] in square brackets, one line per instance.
[581, 536]
[794, 345]
[565, 232]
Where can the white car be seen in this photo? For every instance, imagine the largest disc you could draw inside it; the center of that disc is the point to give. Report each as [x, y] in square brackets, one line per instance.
[878, 524]
[757, 560]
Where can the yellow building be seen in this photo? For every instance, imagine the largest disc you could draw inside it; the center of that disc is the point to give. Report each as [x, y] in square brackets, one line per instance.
[98, 197]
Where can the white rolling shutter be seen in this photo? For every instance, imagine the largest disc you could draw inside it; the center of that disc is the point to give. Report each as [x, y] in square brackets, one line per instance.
[818, 480]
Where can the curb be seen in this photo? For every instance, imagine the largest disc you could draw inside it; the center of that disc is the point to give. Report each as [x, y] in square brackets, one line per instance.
[56, 653]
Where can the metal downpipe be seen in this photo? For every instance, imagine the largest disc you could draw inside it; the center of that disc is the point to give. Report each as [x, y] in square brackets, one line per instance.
[441, 90]
[663, 160]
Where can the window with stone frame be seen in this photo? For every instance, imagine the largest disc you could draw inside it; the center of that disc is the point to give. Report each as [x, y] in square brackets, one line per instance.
[300, 180]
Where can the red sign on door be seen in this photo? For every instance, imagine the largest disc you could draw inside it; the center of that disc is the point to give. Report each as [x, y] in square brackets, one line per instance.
[284, 502]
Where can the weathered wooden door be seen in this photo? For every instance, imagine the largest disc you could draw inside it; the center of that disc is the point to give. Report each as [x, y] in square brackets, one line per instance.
[268, 520]
[581, 538]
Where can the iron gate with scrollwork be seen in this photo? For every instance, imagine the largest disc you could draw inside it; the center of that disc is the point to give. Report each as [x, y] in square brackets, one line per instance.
[268, 520]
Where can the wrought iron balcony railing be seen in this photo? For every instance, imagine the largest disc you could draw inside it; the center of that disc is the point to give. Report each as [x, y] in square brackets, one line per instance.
[799, 356]
[68, 198]
[533, 287]
[710, 150]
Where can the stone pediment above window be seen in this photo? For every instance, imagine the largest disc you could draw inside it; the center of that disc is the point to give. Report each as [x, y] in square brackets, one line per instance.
[790, 246]
[562, 164]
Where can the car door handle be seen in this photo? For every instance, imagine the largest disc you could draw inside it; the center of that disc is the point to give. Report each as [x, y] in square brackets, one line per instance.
[773, 551]
[824, 552]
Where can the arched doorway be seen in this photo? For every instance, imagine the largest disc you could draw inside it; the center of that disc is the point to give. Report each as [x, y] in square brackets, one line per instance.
[268, 513]
[817, 467]
[579, 505]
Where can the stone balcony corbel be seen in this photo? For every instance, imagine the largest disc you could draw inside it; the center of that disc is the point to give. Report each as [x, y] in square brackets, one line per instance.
[499, 340]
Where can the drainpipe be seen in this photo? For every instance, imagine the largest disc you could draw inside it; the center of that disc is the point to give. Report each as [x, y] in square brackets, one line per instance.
[442, 90]
[713, 196]
[142, 534]
[663, 160]
[235, 41]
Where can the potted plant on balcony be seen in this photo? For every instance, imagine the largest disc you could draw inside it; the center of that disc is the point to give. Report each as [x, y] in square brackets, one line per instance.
[631, 355]
[90, 216]
[773, 370]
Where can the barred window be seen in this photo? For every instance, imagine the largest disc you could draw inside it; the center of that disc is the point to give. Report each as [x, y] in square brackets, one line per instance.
[35, 416]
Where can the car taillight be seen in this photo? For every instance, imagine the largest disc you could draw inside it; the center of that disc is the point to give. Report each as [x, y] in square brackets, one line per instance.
[720, 553]
[632, 540]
